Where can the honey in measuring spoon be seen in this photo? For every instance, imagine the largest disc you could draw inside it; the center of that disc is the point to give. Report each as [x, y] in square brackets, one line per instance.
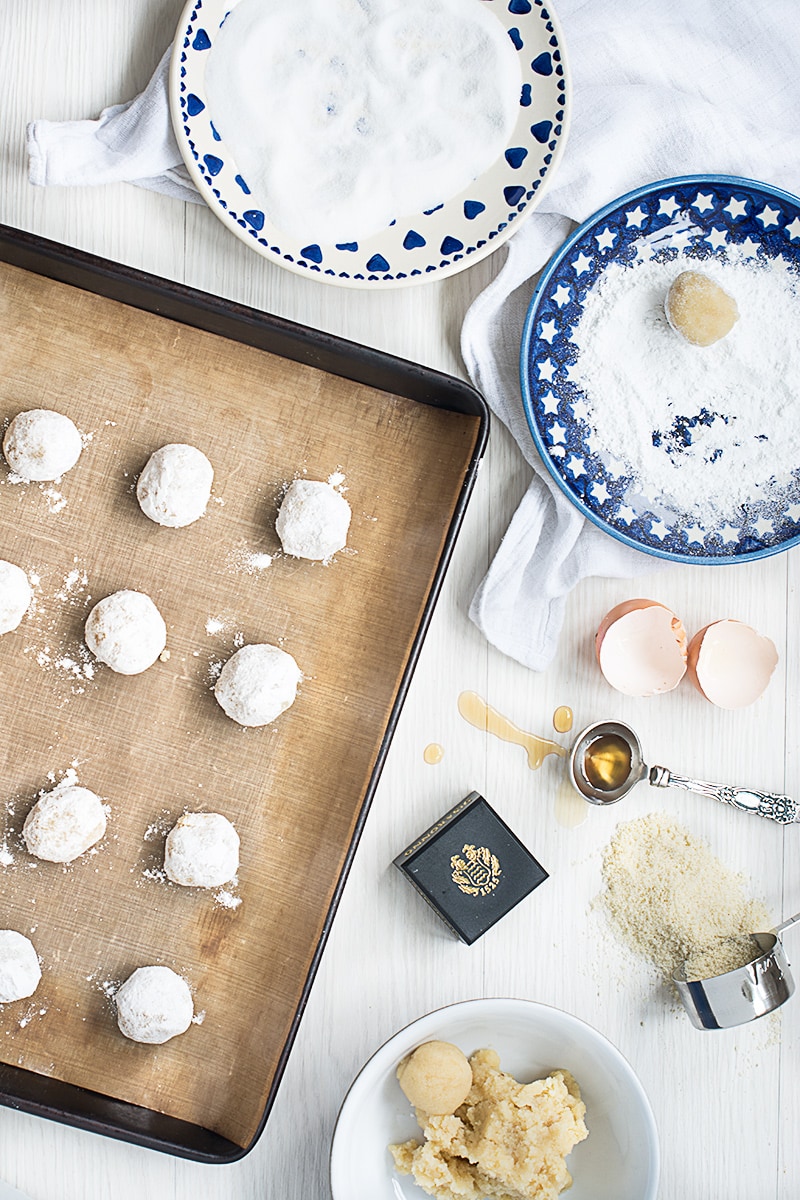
[607, 762]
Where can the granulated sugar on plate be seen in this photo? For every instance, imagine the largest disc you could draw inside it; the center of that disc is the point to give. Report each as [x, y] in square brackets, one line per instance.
[344, 116]
[668, 897]
[701, 430]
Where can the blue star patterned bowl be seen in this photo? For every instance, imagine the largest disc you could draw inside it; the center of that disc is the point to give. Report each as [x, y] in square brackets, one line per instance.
[427, 245]
[686, 222]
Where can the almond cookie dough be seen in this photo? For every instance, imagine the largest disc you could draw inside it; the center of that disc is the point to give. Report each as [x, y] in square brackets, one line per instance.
[257, 684]
[699, 309]
[64, 823]
[154, 1004]
[126, 631]
[436, 1077]
[41, 445]
[202, 850]
[507, 1141]
[19, 967]
[313, 520]
[15, 596]
[175, 486]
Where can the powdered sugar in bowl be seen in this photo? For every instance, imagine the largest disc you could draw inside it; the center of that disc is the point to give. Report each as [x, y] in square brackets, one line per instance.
[686, 452]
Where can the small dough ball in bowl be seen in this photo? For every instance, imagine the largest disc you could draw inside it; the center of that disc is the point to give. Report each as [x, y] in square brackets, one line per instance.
[436, 1077]
[202, 850]
[313, 520]
[19, 967]
[175, 486]
[126, 631]
[64, 823]
[15, 596]
[257, 684]
[41, 445]
[154, 1004]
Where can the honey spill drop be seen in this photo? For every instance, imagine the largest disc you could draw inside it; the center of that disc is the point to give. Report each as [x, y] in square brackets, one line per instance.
[571, 809]
[433, 753]
[562, 719]
[477, 712]
[607, 762]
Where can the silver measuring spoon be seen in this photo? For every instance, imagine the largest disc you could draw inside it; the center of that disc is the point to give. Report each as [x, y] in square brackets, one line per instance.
[606, 762]
[752, 990]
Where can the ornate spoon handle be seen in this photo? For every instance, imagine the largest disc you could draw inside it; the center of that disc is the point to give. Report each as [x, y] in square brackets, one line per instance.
[762, 804]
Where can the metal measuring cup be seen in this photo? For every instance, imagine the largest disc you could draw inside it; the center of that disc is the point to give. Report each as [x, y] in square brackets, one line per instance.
[750, 991]
[763, 804]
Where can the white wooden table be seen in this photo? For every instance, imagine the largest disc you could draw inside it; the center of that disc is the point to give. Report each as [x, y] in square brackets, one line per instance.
[728, 1104]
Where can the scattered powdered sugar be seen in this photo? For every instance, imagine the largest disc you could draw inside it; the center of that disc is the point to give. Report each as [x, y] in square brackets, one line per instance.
[703, 430]
[227, 899]
[214, 625]
[336, 480]
[6, 857]
[249, 562]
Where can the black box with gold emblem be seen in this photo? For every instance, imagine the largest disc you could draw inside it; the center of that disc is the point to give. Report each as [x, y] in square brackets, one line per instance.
[471, 868]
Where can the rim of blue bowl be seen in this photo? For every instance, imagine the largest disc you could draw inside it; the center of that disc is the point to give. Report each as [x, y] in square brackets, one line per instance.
[528, 339]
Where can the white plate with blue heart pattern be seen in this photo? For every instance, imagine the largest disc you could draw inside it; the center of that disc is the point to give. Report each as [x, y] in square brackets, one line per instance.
[413, 249]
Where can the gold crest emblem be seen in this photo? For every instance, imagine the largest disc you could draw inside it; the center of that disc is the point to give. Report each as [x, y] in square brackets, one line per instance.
[478, 872]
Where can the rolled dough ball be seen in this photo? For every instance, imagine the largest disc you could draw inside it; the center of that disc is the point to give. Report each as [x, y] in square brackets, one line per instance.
[15, 596]
[64, 823]
[126, 631]
[436, 1077]
[257, 684]
[699, 309]
[153, 1005]
[313, 520]
[202, 850]
[19, 967]
[41, 445]
[175, 485]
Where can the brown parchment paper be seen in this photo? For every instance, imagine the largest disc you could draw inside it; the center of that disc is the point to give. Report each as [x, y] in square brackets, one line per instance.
[157, 744]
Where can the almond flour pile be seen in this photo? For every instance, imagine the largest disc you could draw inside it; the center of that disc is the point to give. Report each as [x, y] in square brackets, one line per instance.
[668, 897]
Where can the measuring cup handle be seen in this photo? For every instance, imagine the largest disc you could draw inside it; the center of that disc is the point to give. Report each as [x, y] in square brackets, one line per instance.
[761, 804]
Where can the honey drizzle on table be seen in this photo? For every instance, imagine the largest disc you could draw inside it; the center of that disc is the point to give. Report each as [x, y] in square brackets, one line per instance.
[433, 753]
[562, 719]
[477, 712]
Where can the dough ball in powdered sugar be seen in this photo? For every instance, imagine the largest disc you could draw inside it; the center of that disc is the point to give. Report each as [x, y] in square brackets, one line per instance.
[313, 520]
[15, 596]
[154, 1004]
[64, 823]
[41, 445]
[19, 967]
[175, 486]
[257, 684]
[126, 631]
[202, 850]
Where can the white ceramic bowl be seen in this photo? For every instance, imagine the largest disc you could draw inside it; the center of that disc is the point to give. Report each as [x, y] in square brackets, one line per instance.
[618, 1161]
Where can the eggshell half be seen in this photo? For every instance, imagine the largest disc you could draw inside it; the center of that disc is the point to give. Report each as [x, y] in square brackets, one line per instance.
[641, 648]
[730, 663]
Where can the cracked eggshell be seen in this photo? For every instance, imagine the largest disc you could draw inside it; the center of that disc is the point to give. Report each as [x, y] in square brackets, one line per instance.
[641, 648]
[730, 663]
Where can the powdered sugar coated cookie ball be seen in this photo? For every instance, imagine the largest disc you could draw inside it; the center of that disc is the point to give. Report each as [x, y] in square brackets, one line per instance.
[202, 850]
[64, 823]
[257, 684]
[126, 631]
[41, 445]
[175, 485]
[15, 595]
[154, 1004]
[19, 967]
[313, 520]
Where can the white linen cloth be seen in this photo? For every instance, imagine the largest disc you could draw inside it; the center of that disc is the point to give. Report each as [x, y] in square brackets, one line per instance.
[659, 89]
